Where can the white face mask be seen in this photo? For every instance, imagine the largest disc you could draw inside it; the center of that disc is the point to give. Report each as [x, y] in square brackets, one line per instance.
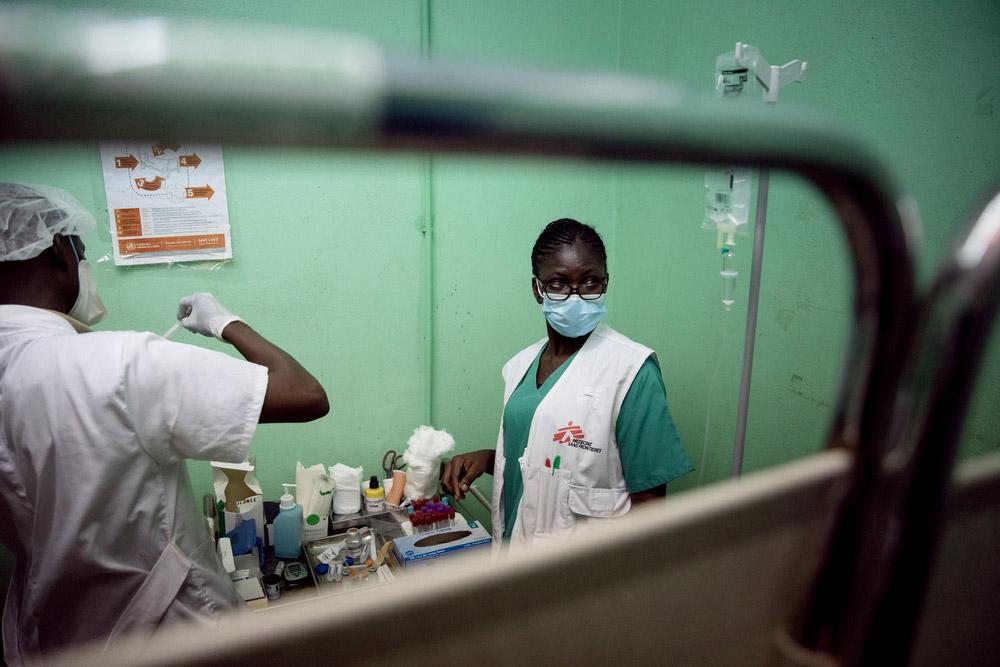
[88, 307]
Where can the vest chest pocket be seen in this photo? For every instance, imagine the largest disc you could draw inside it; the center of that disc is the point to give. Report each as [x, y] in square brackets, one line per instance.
[588, 396]
[591, 408]
[599, 503]
[544, 508]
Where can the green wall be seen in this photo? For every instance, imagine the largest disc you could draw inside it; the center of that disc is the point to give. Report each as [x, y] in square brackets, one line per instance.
[920, 81]
[402, 282]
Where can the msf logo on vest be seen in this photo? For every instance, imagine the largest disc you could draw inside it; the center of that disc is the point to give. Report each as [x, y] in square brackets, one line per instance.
[572, 435]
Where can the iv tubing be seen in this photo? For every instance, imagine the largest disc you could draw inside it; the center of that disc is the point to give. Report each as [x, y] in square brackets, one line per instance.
[763, 183]
[709, 402]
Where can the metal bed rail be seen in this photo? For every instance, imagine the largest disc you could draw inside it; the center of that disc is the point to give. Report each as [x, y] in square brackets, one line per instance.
[866, 598]
[954, 329]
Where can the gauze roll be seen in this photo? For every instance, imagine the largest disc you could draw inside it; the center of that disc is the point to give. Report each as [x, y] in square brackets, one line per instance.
[423, 455]
[346, 488]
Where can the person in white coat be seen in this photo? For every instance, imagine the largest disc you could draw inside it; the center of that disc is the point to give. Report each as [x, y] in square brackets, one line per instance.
[586, 431]
[95, 429]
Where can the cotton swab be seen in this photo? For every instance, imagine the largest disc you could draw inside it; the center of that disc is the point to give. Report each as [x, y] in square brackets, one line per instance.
[172, 330]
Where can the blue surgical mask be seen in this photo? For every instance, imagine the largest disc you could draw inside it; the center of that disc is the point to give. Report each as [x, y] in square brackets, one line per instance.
[574, 317]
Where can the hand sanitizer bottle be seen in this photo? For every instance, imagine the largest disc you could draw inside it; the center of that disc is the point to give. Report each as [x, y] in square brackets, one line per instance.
[288, 527]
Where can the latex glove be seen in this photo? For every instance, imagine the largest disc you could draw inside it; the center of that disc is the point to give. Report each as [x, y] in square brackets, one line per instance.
[202, 313]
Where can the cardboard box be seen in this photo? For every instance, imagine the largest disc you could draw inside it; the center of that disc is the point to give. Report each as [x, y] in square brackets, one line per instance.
[428, 548]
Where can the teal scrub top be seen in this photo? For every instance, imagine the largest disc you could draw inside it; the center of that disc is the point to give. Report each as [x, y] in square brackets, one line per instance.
[648, 443]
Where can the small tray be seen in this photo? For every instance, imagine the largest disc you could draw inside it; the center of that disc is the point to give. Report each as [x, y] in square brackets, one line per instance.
[380, 529]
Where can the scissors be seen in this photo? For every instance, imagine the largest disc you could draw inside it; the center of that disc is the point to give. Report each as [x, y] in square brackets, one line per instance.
[392, 461]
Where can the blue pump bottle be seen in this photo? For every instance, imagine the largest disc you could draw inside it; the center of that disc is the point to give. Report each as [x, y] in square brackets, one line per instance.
[288, 527]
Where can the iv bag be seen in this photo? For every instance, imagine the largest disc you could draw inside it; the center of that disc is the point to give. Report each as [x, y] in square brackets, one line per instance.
[727, 191]
[727, 203]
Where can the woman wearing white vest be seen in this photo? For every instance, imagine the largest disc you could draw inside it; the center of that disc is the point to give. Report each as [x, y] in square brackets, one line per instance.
[586, 431]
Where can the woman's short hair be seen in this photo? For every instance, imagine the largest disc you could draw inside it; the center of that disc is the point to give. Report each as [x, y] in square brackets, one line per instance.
[563, 232]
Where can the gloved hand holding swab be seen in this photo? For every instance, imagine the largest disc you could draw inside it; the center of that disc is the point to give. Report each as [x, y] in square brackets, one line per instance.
[202, 313]
[182, 311]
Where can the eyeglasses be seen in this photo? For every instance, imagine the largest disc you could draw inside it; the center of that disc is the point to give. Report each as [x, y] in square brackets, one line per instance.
[560, 290]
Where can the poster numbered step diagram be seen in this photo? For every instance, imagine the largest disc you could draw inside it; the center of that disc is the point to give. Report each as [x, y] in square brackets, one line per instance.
[166, 202]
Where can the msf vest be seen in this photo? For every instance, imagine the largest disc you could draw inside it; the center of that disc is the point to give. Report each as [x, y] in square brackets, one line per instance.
[576, 422]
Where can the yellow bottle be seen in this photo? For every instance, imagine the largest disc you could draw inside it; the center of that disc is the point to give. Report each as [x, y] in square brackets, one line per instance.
[374, 496]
